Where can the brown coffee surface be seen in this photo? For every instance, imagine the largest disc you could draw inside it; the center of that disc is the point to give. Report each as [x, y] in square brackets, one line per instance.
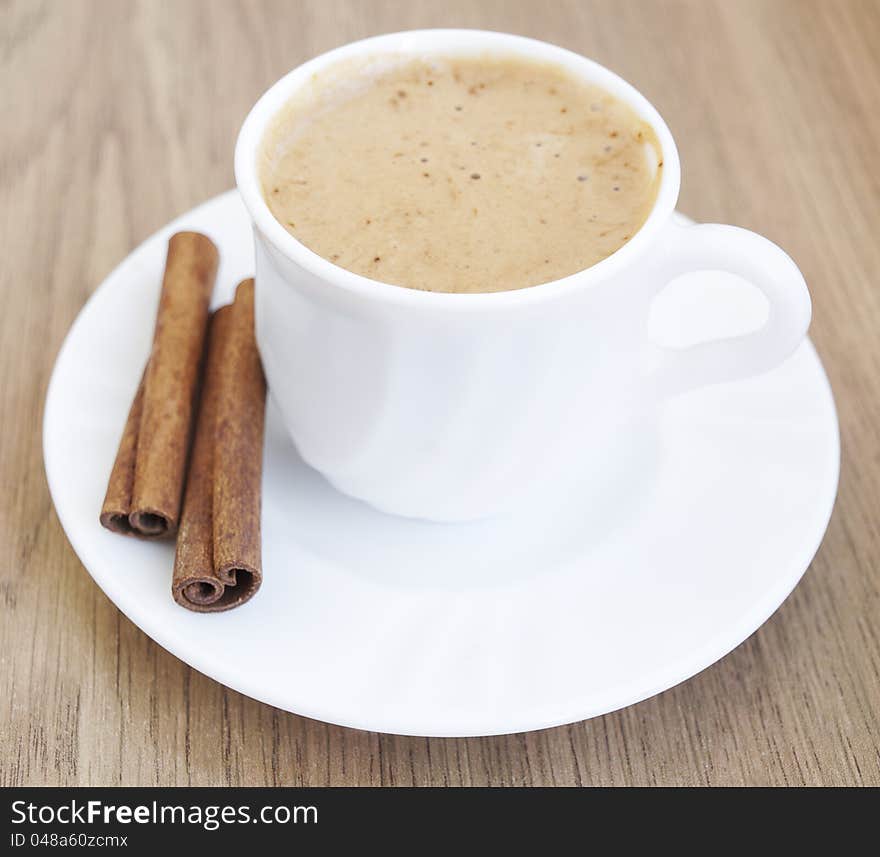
[460, 175]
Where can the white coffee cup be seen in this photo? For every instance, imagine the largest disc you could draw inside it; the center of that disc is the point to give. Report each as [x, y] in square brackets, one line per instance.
[452, 407]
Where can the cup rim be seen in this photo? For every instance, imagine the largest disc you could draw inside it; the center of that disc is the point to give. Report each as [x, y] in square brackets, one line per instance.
[449, 42]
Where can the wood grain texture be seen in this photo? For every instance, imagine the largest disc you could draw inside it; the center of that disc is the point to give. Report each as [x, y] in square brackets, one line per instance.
[118, 116]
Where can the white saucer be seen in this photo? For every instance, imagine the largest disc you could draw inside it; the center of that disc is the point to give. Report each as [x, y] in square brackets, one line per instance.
[504, 626]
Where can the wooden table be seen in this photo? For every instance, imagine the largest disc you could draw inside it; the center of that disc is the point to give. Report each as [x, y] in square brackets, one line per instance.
[117, 116]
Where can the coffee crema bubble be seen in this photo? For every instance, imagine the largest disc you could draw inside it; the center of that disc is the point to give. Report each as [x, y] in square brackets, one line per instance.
[478, 174]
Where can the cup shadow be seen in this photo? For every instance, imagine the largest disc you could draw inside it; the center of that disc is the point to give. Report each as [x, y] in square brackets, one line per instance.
[541, 535]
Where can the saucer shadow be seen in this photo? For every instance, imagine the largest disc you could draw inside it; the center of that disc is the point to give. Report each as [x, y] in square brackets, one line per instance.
[540, 536]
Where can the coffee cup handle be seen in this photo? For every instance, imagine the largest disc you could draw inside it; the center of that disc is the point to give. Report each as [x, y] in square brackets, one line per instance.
[715, 247]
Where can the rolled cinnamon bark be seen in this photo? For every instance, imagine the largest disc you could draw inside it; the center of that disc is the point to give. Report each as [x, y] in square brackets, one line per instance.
[195, 584]
[117, 501]
[218, 564]
[169, 389]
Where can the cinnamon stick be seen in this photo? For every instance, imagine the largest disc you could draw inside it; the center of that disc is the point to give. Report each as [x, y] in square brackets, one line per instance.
[117, 502]
[218, 563]
[195, 583]
[146, 483]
